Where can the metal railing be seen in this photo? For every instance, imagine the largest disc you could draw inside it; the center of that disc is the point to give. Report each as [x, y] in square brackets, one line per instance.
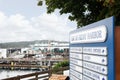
[44, 75]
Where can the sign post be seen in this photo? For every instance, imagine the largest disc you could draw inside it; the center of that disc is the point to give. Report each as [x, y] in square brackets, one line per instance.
[92, 51]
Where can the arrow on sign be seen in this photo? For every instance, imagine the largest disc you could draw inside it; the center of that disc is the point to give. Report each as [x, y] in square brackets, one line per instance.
[103, 60]
[103, 69]
[103, 51]
[103, 79]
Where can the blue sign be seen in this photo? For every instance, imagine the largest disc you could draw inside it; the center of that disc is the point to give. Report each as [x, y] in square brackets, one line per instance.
[92, 51]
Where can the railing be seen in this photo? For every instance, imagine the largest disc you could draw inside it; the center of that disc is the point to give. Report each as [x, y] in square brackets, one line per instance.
[44, 75]
[27, 66]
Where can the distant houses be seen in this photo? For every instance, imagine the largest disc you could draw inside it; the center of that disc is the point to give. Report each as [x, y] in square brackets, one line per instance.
[51, 46]
[40, 48]
[3, 53]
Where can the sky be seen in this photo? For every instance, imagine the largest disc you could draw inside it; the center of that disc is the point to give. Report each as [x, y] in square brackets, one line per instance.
[23, 20]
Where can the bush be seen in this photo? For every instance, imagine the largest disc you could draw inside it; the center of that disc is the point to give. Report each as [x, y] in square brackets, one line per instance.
[60, 65]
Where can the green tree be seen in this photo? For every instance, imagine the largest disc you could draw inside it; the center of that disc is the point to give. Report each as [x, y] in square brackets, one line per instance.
[60, 65]
[85, 11]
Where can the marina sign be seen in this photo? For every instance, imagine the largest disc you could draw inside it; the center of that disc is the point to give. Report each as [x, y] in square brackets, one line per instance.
[96, 34]
[92, 51]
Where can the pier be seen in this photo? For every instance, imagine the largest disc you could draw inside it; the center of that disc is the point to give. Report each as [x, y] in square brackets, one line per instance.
[26, 64]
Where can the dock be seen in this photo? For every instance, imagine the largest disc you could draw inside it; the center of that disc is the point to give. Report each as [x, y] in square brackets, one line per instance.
[28, 63]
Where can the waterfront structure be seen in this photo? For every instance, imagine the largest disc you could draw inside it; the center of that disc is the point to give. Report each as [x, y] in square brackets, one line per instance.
[3, 53]
[39, 49]
[50, 46]
[50, 43]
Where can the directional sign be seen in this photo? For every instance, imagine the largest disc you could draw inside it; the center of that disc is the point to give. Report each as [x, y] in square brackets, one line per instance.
[95, 59]
[95, 67]
[76, 68]
[76, 49]
[86, 78]
[94, 75]
[76, 61]
[72, 77]
[92, 51]
[95, 50]
[76, 74]
[76, 55]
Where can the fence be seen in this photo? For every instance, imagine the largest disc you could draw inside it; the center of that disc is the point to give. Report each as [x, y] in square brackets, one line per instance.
[44, 75]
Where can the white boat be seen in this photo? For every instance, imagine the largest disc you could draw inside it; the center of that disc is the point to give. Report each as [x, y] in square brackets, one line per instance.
[39, 56]
[19, 56]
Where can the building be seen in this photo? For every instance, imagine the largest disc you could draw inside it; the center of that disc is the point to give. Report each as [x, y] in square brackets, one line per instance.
[50, 46]
[39, 48]
[3, 53]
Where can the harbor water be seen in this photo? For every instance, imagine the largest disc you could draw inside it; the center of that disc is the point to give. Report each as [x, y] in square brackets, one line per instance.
[12, 73]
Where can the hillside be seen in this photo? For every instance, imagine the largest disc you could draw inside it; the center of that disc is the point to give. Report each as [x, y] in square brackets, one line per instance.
[23, 44]
[17, 44]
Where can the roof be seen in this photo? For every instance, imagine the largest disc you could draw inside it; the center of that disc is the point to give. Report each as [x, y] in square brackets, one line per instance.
[58, 77]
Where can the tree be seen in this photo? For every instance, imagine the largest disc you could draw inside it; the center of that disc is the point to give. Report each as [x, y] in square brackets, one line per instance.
[110, 8]
[85, 11]
[60, 65]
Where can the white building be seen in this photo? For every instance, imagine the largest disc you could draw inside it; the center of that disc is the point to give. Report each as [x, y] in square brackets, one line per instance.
[49, 45]
[43, 46]
[3, 53]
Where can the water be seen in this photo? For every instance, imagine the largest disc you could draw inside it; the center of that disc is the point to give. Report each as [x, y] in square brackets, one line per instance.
[12, 73]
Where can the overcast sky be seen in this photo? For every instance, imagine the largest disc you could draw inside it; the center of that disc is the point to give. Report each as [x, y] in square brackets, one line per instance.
[23, 20]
